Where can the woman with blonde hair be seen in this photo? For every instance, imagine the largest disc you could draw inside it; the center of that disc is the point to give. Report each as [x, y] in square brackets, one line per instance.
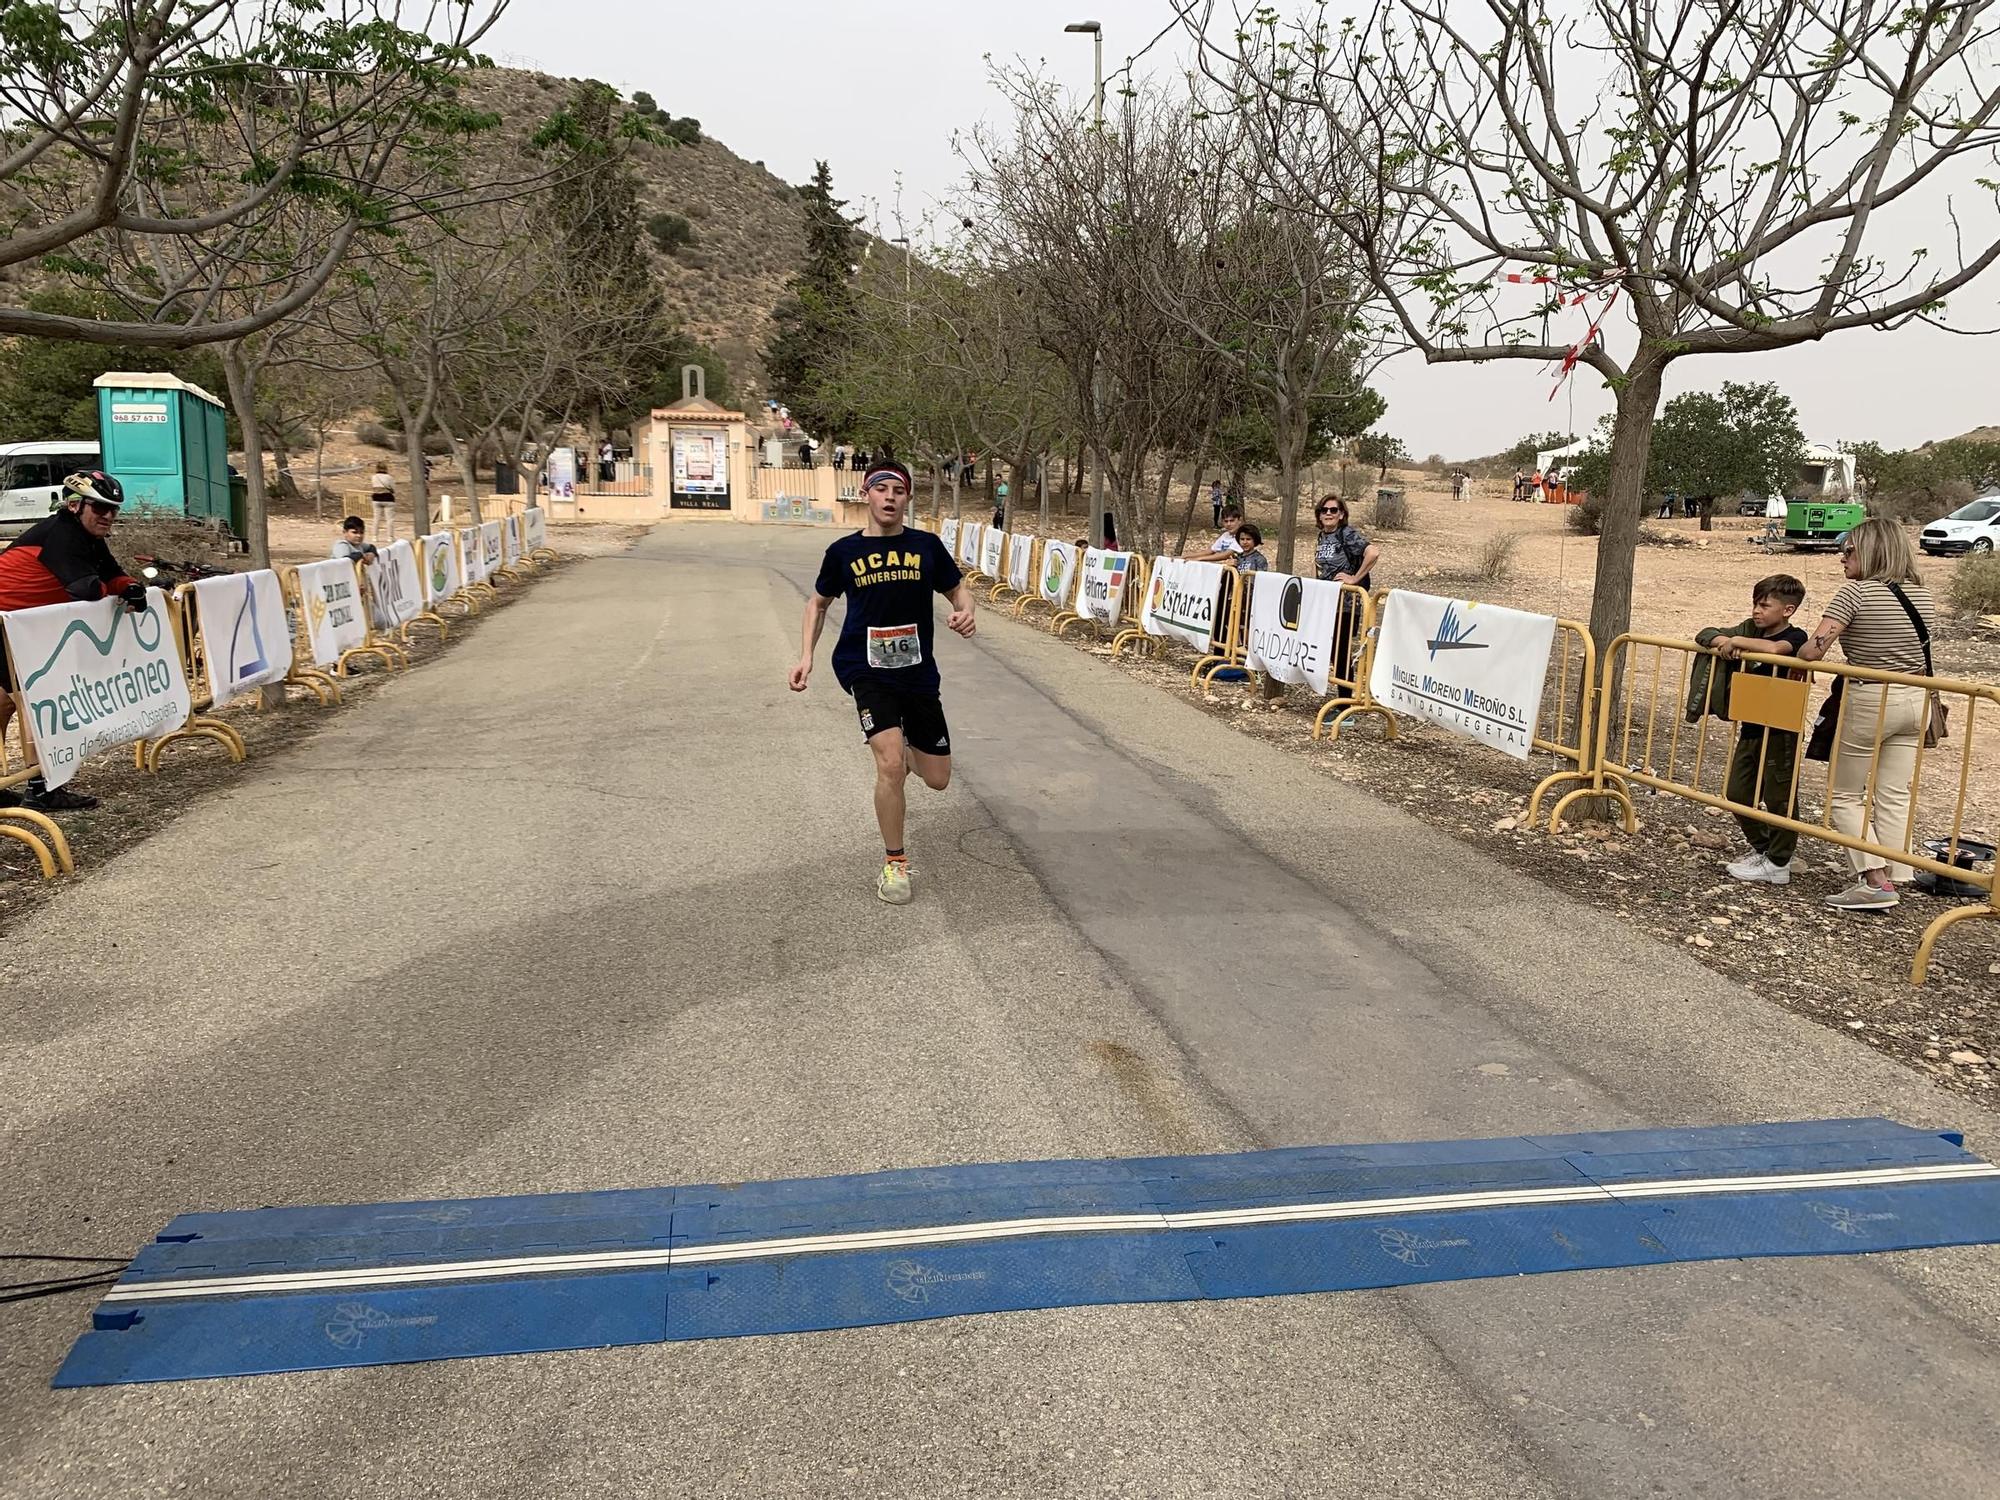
[1882, 618]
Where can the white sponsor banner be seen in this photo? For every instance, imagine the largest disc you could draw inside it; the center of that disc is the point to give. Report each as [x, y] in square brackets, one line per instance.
[559, 473]
[1020, 563]
[1477, 669]
[332, 598]
[441, 575]
[246, 640]
[968, 543]
[1181, 601]
[95, 675]
[534, 527]
[395, 592]
[1058, 573]
[948, 534]
[492, 546]
[471, 555]
[1292, 624]
[991, 541]
[1101, 598]
[510, 539]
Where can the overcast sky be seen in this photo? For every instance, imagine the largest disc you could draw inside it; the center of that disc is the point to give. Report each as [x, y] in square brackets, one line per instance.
[877, 88]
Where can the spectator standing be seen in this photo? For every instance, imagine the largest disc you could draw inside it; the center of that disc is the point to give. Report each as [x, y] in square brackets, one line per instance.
[1520, 485]
[1000, 505]
[1225, 546]
[352, 545]
[1249, 539]
[1341, 554]
[860, 460]
[1882, 617]
[382, 494]
[607, 462]
[1772, 752]
[1216, 500]
[806, 454]
[840, 455]
[1458, 484]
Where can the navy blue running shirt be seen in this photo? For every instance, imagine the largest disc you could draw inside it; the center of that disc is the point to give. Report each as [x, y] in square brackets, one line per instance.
[887, 582]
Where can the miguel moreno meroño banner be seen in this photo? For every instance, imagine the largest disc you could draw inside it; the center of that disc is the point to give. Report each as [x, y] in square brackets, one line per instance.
[1102, 597]
[1292, 624]
[1475, 669]
[1181, 601]
[246, 641]
[91, 676]
[1058, 575]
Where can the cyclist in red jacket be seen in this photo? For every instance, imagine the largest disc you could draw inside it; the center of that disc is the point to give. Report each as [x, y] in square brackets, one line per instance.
[62, 559]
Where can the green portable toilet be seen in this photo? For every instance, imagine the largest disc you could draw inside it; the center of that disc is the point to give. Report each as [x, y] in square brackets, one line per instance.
[167, 442]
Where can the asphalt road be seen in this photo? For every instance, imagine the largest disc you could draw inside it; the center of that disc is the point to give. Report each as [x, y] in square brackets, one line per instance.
[587, 904]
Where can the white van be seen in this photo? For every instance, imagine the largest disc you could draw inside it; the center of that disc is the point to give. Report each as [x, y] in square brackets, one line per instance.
[31, 477]
[1970, 528]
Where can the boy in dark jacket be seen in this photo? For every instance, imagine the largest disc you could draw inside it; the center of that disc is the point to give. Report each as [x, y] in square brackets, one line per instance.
[1774, 601]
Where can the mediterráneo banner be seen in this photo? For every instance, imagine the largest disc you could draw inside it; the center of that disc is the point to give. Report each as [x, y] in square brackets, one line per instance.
[1292, 623]
[1476, 669]
[1058, 573]
[95, 675]
[246, 641]
[1181, 601]
[332, 598]
[394, 588]
[441, 578]
[1020, 563]
[1103, 593]
[991, 540]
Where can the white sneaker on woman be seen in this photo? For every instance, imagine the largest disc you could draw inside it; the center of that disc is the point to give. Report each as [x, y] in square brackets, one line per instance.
[1758, 867]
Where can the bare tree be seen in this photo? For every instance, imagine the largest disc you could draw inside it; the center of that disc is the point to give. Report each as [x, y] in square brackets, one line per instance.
[210, 162]
[1094, 223]
[1707, 178]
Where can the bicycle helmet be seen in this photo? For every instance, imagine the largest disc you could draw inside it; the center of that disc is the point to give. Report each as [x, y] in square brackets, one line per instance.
[94, 484]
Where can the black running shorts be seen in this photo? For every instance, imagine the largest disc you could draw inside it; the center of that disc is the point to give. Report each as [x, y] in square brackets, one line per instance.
[920, 716]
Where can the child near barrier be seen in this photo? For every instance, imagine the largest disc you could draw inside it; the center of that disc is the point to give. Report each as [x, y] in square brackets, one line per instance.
[1769, 630]
[1249, 539]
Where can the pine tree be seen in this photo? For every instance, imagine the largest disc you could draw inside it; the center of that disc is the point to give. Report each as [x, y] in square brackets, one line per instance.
[817, 318]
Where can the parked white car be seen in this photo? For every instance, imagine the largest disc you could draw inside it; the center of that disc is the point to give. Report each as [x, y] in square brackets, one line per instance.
[31, 476]
[1970, 528]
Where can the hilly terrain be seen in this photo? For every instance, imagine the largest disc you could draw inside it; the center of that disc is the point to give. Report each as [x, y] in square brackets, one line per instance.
[748, 227]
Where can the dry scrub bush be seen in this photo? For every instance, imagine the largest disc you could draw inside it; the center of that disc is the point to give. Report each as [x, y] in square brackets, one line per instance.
[1975, 585]
[1496, 556]
[1391, 512]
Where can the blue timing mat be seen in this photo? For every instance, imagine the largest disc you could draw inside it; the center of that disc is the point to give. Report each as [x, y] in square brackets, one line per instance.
[386, 1283]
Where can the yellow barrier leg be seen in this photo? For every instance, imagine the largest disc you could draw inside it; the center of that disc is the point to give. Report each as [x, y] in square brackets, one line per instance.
[1389, 728]
[1920, 966]
[46, 831]
[41, 850]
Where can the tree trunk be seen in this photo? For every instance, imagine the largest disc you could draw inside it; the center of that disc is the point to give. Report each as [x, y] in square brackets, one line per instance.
[1042, 491]
[256, 505]
[1618, 534]
[319, 472]
[1239, 481]
[281, 462]
[1187, 516]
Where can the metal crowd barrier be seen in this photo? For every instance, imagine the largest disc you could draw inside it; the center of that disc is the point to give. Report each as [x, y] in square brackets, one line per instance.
[1654, 744]
[1571, 699]
[1352, 696]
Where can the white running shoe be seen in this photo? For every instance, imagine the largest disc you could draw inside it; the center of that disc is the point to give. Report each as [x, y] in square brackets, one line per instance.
[894, 884]
[1751, 867]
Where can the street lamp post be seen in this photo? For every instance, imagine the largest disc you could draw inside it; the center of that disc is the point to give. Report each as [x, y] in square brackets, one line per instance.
[1097, 36]
[1096, 374]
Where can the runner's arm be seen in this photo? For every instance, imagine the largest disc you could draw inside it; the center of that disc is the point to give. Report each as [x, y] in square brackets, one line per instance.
[960, 619]
[809, 629]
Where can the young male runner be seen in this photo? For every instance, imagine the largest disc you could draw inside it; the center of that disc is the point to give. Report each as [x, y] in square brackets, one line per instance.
[883, 657]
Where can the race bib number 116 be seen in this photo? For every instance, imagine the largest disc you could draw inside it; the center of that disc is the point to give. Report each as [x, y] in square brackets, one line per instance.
[893, 646]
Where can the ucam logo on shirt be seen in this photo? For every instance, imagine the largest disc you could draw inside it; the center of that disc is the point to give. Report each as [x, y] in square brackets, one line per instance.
[1292, 624]
[1102, 597]
[1476, 669]
[1181, 600]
